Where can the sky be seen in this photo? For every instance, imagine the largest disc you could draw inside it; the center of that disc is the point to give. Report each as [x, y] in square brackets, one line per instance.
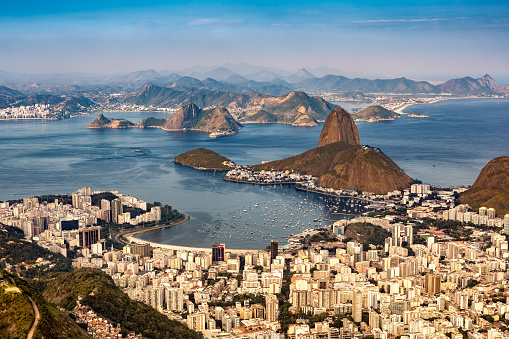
[428, 40]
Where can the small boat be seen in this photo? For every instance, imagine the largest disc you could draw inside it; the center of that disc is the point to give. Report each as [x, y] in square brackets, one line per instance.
[138, 150]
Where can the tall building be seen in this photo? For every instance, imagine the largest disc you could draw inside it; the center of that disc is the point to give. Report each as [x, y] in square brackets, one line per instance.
[196, 321]
[217, 253]
[273, 250]
[116, 210]
[357, 306]
[506, 224]
[89, 236]
[432, 283]
[175, 299]
[272, 307]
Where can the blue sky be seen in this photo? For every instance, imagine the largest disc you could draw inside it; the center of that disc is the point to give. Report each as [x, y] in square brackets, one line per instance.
[431, 40]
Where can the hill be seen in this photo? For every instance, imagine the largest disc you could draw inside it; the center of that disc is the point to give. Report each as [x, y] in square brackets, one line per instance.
[375, 113]
[102, 122]
[367, 233]
[17, 314]
[468, 85]
[151, 123]
[261, 117]
[107, 300]
[344, 84]
[192, 117]
[491, 188]
[297, 108]
[202, 158]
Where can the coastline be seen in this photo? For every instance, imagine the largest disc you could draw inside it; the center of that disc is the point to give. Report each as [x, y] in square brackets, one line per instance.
[130, 237]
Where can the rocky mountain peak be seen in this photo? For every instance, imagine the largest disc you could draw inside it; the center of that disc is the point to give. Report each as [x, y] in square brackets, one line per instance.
[339, 126]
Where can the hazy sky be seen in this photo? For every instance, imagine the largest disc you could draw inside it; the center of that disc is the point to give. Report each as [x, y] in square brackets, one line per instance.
[431, 40]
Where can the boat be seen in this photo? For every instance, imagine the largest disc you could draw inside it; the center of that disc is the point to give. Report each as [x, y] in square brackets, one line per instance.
[138, 150]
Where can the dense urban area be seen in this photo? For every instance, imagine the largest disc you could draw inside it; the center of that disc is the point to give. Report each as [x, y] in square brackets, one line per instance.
[422, 266]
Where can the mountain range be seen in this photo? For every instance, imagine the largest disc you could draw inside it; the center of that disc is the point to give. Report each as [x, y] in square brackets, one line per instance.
[242, 78]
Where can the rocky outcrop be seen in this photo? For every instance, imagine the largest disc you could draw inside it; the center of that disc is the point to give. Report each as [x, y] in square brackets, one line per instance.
[375, 113]
[339, 127]
[102, 122]
[182, 117]
[192, 117]
[491, 188]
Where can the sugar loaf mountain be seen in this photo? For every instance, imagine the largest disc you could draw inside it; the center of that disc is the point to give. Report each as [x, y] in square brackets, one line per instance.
[339, 161]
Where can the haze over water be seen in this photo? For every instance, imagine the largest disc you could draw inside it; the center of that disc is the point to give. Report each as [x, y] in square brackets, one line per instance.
[45, 157]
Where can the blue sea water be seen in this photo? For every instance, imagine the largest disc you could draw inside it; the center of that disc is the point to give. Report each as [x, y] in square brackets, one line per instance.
[45, 157]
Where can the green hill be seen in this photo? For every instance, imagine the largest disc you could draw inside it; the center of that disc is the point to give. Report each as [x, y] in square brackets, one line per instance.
[17, 314]
[367, 233]
[102, 122]
[203, 158]
[375, 113]
[151, 123]
[107, 300]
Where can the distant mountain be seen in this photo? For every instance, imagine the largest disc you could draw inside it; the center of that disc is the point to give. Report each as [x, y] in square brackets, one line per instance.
[375, 113]
[211, 120]
[300, 75]
[152, 95]
[219, 73]
[208, 84]
[341, 83]
[6, 91]
[263, 76]
[491, 188]
[468, 85]
[294, 108]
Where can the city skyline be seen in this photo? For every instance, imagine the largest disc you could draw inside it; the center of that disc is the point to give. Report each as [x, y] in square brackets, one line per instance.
[433, 41]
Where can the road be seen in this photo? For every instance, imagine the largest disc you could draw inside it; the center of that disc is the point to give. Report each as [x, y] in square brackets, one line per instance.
[36, 312]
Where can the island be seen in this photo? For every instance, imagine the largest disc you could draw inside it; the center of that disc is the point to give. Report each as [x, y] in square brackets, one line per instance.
[218, 121]
[413, 115]
[375, 114]
[204, 159]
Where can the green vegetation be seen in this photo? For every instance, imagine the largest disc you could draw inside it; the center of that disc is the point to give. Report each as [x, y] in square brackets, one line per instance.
[203, 158]
[110, 302]
[367, 233]
[24, 255]
[375, 113]
[17, 315]
[151, 123]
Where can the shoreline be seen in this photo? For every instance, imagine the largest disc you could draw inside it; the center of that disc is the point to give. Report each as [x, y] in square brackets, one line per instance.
[130, 237]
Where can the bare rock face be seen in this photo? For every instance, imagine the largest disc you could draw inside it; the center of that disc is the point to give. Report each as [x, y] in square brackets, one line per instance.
[339, 126]
[181, 117]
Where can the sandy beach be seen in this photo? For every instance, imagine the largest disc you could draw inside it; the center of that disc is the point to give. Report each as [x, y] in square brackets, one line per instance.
[185, 248]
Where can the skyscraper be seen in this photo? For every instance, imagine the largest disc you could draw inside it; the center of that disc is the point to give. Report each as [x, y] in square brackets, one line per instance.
[357, 306]
[432, 283]
[273, 250]
[272, 307]
[116, 210]
[89, 236]
[217, 253]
